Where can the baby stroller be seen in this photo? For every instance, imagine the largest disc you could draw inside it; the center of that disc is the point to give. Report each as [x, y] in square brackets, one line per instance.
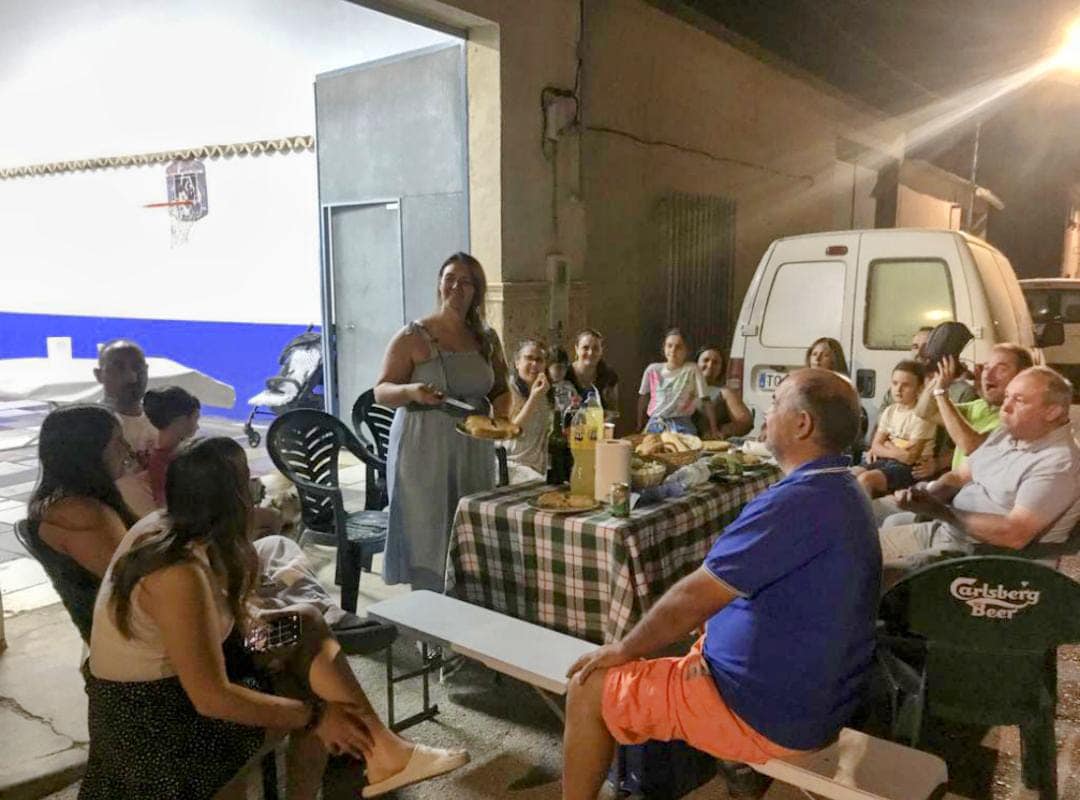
[295, 386]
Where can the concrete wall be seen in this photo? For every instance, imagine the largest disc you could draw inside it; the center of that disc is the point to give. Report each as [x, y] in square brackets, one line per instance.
[771, 140]
[918, 210]
[764, 137]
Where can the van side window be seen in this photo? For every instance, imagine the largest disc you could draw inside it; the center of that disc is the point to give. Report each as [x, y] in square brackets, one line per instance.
[904, 295]
[791, 319]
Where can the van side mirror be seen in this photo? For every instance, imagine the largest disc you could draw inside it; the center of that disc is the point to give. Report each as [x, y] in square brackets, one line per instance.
[1050, 334]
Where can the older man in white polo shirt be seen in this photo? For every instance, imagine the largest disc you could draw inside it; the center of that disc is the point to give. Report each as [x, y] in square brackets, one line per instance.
[1020, 487]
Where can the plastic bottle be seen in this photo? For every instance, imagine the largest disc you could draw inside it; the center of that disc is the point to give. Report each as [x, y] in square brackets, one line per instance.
[689, 476]
[586, 429]
[594, 409]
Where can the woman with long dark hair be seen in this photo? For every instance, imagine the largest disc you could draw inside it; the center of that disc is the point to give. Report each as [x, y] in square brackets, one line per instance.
[452, 353]
[826, 353]
[177, 704]
[76, 516]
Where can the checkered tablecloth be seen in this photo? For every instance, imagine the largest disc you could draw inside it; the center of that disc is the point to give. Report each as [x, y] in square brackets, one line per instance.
[589, 575]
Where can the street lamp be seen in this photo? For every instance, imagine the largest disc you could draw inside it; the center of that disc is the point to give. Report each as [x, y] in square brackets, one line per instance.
[1068, 55]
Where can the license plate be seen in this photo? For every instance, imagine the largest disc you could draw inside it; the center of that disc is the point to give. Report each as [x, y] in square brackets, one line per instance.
[768, 380]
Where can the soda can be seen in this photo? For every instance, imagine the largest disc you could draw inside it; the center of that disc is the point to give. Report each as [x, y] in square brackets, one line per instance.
[619, 500]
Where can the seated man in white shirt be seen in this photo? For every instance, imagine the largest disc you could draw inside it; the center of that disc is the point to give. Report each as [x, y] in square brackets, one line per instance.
[122, 373]
[286, 576]
[1021, 486]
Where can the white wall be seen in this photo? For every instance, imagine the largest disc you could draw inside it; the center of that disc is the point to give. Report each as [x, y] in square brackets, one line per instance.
[919, 210]
[82, 79]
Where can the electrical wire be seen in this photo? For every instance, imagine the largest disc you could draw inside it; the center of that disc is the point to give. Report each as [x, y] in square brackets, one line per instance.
[738, 162]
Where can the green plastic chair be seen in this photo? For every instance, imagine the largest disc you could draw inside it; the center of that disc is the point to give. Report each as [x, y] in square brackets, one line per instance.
[975, 640]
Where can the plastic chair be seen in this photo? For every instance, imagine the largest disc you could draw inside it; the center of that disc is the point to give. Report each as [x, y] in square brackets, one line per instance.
[304, 444]
[975, 640]
[372, 421]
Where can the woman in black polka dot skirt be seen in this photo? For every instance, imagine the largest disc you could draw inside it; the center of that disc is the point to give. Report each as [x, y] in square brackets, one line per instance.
[178, 703]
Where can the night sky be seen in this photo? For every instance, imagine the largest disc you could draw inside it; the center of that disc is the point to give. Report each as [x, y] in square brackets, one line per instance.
[900, 55]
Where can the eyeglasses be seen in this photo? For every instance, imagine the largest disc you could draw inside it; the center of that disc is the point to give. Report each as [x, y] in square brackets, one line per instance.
[452, 282]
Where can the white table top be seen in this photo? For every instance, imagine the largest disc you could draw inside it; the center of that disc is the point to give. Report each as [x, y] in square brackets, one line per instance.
[71, 380]
[533, 654]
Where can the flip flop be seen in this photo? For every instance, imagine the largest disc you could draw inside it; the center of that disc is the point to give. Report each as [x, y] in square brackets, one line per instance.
[424, 763]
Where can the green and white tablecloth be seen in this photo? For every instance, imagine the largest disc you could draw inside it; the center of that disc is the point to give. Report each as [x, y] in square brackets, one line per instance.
[590, 575]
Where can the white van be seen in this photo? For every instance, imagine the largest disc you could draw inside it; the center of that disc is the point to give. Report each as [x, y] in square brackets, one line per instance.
[870, 290]
[1058, 300]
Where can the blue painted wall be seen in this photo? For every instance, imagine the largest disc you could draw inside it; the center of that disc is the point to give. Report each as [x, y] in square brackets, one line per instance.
[241, 354]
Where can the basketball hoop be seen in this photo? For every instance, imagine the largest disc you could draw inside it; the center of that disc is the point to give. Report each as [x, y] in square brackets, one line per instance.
[180, 225]
[185, 180]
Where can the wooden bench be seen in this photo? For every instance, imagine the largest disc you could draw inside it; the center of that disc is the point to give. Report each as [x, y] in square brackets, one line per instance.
[855, 767]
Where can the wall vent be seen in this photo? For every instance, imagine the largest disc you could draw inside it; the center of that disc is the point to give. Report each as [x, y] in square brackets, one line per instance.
[697, 246]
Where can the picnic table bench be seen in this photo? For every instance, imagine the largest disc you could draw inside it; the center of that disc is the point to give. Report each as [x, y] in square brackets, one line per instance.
[855, 767]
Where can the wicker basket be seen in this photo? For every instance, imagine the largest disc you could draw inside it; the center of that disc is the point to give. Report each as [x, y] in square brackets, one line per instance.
[640, 480]
[671, 460]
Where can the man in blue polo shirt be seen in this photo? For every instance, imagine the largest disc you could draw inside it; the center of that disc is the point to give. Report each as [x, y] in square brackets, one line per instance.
[788, 597]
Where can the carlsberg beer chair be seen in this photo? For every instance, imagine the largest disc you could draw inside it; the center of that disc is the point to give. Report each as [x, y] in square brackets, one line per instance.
[975, 640]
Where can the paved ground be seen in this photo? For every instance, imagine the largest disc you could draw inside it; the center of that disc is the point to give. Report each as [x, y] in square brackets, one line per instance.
[514, 739]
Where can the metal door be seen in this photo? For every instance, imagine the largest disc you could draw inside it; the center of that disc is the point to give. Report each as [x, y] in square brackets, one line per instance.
[363, 251]
[906, 280]
[803, 292]
[391, 146]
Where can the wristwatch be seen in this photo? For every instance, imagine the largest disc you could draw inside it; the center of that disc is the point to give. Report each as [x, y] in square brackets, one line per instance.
[938, 392]
[318, 708]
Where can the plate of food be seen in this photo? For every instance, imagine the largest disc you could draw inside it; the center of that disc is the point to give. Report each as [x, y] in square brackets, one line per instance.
[562, 502]
[736, 465]
[479, 426]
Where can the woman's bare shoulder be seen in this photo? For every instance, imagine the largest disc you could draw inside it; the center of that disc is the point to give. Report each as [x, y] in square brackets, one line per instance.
[78, 513]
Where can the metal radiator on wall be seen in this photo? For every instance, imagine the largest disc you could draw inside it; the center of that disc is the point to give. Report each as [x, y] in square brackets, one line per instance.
[697, 252]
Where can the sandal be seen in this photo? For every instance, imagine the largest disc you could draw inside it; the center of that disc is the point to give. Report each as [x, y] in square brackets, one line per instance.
[424, 763]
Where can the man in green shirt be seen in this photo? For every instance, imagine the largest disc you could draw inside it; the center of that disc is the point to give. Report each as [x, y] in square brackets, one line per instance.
[969, 424]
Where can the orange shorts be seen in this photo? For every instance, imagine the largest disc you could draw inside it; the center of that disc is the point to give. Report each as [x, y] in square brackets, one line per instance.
[676, 698]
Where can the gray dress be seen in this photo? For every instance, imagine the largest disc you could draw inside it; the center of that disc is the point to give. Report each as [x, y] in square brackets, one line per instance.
[430, 466]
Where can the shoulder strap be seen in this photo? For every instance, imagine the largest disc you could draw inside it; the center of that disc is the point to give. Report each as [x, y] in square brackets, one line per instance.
[417, 327]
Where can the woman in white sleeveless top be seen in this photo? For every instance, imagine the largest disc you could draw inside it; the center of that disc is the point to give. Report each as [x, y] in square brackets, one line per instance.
[177, 704]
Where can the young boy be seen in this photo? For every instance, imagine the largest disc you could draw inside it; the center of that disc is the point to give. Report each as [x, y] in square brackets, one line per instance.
[562, 390]
[901, 436]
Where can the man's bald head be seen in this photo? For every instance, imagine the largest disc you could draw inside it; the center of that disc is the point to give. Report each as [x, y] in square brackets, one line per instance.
[832, 403]
[115, 347]
[122, 373]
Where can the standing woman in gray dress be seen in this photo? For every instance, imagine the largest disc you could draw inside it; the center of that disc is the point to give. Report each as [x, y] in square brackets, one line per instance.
[451, 353]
